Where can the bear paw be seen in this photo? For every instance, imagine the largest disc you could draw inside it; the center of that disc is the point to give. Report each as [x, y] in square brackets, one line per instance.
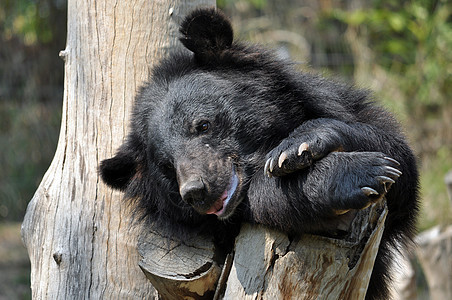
[360, 179]
[282, 162]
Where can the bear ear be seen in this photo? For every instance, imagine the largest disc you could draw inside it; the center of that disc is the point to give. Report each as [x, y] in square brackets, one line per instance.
[206, 32]
[118, 170]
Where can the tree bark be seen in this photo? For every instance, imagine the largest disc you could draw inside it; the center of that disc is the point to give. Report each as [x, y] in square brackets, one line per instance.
[186, 269]
[267, 264]
[308, 267]
[77, 231]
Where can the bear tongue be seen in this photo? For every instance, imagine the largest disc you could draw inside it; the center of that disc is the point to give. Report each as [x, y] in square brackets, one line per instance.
[217, 205]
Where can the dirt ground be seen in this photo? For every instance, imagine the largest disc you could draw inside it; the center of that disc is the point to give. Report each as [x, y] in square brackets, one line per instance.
[14, 264]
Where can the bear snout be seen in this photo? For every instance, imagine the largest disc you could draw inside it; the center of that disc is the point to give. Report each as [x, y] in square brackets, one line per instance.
[205, 184]
[193, 192]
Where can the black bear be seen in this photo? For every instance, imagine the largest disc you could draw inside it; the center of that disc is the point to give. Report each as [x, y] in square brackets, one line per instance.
[227, 133]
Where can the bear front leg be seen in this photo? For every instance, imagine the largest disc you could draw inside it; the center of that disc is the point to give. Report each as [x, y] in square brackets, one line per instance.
[309, 142]
[313, 200]
[350, 180]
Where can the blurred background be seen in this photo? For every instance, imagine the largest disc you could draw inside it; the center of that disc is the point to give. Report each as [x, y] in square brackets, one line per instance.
[399, 49]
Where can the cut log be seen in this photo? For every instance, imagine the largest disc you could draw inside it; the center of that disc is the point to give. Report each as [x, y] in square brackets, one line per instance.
[308, 267]
[268, 264]
[187, 270]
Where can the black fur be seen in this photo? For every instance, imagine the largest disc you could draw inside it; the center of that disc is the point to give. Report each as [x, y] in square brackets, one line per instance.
[212, 126]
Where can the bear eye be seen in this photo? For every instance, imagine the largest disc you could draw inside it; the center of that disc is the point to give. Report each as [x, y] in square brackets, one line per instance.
[203, 126]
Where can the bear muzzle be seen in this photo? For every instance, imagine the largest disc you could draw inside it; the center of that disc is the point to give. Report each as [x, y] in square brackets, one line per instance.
[208, 197]
[193, 192]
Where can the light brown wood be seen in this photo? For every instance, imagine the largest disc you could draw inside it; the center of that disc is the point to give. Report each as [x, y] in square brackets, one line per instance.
[188, 270]
[77, 230]
[267, 265]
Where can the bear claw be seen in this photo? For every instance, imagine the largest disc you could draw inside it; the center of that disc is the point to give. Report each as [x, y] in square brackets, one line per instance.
[369, 191]
[272, 165]
[268, 168]
[393, 171]
[392, 160]
[385, 179]
[282, 158]
[277, 160]
[303, 147]
[341, 211]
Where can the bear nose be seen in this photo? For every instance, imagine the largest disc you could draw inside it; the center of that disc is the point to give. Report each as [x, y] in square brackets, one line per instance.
[193, 191]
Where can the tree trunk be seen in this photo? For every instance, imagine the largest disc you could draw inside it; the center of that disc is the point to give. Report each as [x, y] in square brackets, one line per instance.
[180, 270]
[77, 231]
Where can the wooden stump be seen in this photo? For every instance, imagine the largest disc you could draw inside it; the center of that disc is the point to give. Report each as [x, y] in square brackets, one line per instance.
[267, 264]
[187, 270]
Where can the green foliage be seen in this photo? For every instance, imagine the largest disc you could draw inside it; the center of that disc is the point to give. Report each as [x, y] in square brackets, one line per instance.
[28, 139]
[28, 20]
[412, 40]
[257, 4]
[437, 207]
[14, 264]
[31, 78]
